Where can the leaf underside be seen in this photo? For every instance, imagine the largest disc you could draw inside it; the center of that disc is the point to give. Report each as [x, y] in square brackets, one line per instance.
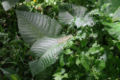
[70, 13]
[48, 50]
[33, 26]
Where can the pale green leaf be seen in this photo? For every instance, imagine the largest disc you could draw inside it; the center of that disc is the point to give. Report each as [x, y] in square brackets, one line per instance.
[42, 45]
[65, 17]
[113, 29]
[49, 49]
[73, 13]
[8, 4]
[116, 15]
[33, 26]
[46, 60]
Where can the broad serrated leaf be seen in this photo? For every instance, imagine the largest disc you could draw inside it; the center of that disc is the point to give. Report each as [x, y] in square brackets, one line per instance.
[33, 26]
[8, 4]
[113, 29]
[72, 13]
[50, 54]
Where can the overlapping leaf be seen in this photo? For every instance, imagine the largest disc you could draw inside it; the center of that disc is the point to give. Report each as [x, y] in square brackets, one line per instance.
[42, 45]
[33, 26]
[72, 13]
[48, 49]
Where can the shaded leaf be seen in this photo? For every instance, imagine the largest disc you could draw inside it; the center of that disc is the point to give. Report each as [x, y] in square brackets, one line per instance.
[116, 15]
[10, 74]
[114, 4]
[72, 13]
[113, 29]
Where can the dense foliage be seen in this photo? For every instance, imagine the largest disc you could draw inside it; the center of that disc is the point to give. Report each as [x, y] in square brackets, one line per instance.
[64, 40]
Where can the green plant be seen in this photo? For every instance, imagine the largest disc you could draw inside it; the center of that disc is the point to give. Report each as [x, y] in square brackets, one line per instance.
[39, 29]
[90, 54]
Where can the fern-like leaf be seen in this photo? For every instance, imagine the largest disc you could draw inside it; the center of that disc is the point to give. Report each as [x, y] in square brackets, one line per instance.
[33, 26]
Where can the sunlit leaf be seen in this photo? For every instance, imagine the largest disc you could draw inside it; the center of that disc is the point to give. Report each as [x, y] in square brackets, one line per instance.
[33, 26]
[49, 49]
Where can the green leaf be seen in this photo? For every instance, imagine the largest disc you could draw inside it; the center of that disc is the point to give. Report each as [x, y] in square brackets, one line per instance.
[102, 65]
[46, 60]
[113, 29]
[65, 17]
[60, 75]
[10, 74]
[42, 45]
[62, 63]
[8, 4]
[68, 51]
[78, 61]
[85, 62]
[50, 53]
[72, 13]
[116, 15]
[33, 26]
[3, 34]
[114, 4]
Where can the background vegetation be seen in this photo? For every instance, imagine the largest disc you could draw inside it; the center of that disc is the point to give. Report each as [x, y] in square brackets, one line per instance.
[92, 54]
